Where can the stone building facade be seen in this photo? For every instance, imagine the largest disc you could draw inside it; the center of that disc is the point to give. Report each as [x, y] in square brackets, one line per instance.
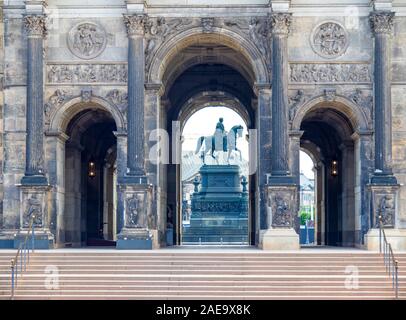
[87, 83]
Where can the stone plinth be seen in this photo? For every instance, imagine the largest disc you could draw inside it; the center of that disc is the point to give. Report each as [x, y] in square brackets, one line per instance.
[219, 208]
[282, 209]
[136, 232]
[396, 237]
[35, 200]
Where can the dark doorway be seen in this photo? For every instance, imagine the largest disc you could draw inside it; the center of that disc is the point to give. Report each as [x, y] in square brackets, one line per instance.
[90, 179]
[327, 137]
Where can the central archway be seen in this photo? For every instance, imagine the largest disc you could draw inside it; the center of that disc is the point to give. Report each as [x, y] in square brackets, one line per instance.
[215, 69]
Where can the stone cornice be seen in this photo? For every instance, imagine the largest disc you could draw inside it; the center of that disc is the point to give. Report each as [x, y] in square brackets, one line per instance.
[381, 22]
[35, 26]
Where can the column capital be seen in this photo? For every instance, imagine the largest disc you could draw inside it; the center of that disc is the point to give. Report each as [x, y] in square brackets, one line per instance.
[280, 23]
[381, 22]
[135, 24]
[35, 25]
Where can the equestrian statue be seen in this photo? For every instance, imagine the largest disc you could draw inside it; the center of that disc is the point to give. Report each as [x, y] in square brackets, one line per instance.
[220, 141]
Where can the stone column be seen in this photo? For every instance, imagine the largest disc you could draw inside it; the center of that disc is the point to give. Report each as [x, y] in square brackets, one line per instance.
[382, 25]
[35, 26]
[280, 23]
[264, 120]
[282, 192]
[135, 195]
[135, 111]
[383, 189]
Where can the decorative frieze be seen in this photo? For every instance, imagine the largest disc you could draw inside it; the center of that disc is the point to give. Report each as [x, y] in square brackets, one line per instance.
[329, 40]
[87, 40]
[329, 73]
[87, 73]
[33, 209]
[282, 205]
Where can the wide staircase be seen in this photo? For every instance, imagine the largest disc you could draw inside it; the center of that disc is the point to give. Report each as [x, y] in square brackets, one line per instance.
[203, 274]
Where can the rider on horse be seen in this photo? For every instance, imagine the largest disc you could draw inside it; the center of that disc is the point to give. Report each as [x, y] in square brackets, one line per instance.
[220, 127]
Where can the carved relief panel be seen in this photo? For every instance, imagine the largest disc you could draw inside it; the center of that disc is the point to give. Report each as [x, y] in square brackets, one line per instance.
[87, 40]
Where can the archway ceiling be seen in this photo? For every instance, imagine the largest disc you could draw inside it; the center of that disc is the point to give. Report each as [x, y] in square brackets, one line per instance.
[207, 53]
[209, 78]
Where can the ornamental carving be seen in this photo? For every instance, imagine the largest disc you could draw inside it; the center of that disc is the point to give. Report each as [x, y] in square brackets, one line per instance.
[35, 25]
[158, 29]
[295, 102]
[135, 24]
[382, 21]
[385, 209]
[329, 73]
[329, 40]
[33, 210]
[118, 98]
[207, 25]
[257, 29]
[135, 209]
[57, 99]
[280, 23]
[87, 40]
[364, 100]
[86, 73]
[281, 213]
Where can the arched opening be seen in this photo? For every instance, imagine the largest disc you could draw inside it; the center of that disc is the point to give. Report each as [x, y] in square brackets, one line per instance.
[225, 226]
[90, 179]
[327, 138]
[211, 74]
[307, 192]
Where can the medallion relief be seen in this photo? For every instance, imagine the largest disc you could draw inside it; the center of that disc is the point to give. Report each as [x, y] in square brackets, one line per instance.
[329, 40]
[87, 40]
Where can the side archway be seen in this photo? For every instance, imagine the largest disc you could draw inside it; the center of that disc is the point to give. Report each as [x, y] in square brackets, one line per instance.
[61, 117]
[356, 116]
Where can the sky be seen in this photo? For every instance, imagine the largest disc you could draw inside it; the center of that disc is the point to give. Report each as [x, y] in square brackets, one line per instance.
[203, 123]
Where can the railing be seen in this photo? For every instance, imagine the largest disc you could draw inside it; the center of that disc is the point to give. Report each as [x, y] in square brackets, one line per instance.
[22, 257]
[391, 264]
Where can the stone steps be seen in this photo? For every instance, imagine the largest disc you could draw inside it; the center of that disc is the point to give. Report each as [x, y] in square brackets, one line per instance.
[204, 275]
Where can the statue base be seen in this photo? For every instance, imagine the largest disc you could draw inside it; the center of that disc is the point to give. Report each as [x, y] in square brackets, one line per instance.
[43, 239]
[279, 239]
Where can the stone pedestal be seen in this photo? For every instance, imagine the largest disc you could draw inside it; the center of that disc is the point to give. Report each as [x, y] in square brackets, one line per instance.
[279, 239]
[396, 237]
[35, 201]
[282, 210]
[219, 208]
[384, 200]
[136, 232]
